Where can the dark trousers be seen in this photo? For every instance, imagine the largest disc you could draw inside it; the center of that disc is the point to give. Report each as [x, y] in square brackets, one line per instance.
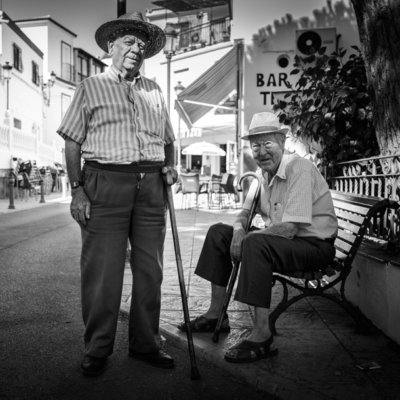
[261, 255]
[123, 206]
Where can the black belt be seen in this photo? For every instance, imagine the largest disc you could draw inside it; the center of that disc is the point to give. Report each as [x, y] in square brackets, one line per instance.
[330, 240]
[142, 167]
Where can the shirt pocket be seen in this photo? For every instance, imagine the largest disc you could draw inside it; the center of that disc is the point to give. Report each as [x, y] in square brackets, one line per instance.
[155, 118]
[276, 213]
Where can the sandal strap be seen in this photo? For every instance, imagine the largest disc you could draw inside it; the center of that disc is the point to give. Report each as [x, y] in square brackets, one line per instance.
[254, 346]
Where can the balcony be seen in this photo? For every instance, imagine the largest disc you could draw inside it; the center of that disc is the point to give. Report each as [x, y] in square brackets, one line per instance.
[203, 35]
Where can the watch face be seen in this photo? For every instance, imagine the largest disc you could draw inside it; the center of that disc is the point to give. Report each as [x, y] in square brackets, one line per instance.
[74, 185]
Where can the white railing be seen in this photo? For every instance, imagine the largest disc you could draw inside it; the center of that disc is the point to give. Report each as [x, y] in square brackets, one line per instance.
[4, 138]
[27, 147]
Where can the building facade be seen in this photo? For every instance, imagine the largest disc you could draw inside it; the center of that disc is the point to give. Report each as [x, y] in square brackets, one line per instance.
[46, 67]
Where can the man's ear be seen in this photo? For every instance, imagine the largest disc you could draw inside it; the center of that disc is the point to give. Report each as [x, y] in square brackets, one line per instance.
[110, 47]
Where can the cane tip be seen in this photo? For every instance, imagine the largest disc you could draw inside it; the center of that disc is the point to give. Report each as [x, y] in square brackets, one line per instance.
[195, 374]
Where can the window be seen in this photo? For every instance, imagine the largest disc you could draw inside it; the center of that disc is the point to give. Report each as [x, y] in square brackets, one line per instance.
[17, 58]
[82, 69]
[65, 102]
[35, 74]
[66, 67]
[97, 69]
[17, 123]
[184, 34]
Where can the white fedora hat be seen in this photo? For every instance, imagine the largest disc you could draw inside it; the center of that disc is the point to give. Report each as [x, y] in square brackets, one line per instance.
[265, 122]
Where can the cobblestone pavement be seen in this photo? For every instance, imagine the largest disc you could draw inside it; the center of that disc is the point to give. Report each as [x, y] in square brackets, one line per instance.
[318, 349]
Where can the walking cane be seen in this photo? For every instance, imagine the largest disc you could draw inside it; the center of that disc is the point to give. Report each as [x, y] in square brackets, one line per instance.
[194, 370]
[236, 265]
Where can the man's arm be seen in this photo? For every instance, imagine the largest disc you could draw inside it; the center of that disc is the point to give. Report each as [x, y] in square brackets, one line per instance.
[285, 229]
[80, 205]
[169, 162]
[239, 233]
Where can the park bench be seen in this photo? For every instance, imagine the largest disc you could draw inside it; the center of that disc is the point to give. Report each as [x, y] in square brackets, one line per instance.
[355, 214]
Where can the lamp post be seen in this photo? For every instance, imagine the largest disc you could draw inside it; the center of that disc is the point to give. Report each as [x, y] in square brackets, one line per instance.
[169, 51]
[178, 90]
[48, 85]
[7, 76]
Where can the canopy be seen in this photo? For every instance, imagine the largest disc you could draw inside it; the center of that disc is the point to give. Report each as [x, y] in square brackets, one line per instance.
[214, 86]
[203, 148]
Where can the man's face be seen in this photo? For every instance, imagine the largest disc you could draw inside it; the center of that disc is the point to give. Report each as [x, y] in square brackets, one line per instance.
[267, 152]
[128, 50]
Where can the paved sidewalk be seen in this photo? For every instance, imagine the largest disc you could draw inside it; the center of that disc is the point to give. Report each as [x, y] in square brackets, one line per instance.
[318, 349]
[32, 202]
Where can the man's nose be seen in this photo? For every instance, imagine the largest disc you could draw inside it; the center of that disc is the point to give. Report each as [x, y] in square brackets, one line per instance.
[135, 48]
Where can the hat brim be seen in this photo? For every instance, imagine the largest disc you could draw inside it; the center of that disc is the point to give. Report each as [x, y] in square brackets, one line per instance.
[154, 33]
[283, 131]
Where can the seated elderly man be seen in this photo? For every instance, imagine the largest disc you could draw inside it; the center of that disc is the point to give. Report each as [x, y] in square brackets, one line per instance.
[300, 229]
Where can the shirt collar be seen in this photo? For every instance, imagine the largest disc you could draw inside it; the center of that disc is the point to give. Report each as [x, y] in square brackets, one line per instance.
[282, 167]
[115, 75]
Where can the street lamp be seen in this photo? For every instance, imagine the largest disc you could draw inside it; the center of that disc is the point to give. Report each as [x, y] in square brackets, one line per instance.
[7, 76]
[169, 51]
[178, 90]
[48, 85]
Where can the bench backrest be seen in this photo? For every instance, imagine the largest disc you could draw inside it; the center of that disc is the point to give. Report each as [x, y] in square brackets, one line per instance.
[354, 213]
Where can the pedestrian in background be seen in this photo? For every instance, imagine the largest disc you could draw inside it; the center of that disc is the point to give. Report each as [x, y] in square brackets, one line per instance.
[118, 123]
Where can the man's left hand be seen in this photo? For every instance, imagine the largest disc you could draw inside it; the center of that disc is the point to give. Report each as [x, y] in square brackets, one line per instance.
[173, 173]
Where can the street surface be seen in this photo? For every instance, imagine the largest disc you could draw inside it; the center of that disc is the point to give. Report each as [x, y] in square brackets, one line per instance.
[41, 327]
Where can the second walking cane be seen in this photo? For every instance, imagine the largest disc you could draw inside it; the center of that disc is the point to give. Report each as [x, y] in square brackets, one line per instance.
[194, 370]
[236, 265]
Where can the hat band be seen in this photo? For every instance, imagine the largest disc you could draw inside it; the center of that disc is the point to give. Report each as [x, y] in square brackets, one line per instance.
[264, 129]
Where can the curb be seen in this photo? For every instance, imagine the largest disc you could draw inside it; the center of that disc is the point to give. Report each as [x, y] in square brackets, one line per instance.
[36, 205]
[213, 353]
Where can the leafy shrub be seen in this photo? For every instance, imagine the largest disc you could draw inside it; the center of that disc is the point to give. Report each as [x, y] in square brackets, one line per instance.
[330, 105]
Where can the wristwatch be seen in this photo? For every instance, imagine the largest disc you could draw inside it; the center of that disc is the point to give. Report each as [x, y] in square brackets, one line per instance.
[76, 184]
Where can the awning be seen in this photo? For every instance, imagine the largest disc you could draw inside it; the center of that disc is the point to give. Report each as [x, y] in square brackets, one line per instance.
[212, 87]
[188, 5]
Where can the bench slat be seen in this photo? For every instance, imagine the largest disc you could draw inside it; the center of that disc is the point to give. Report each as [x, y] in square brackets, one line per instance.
[343, 246]
[339, 255]
[359, 219]
[358, 199]
[351, 207]
[346, 236]
[347, 225]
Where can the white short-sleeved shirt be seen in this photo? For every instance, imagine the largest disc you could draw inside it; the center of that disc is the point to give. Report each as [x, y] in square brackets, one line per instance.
[297, 193]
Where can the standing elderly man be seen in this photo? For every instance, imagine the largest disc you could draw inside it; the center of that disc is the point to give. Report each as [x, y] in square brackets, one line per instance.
[300, 229]
[118, 123]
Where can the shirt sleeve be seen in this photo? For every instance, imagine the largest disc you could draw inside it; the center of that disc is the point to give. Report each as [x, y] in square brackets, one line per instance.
[76, 118]
[169, 136]
[299, 194]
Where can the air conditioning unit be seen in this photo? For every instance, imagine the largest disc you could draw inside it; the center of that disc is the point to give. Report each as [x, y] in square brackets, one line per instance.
[309, 41]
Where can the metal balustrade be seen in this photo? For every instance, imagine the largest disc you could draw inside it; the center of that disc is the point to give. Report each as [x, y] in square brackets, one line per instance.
[210, 33]
[377, 177]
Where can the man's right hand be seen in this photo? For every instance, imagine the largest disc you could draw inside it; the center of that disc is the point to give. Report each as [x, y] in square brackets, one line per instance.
[236, 245]
[80, 206]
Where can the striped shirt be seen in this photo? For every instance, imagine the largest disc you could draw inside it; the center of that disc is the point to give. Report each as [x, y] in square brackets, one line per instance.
[297, 193]
[118, 122]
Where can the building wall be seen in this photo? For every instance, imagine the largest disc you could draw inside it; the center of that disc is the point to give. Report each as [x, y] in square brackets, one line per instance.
[25, 98]
[50, 37]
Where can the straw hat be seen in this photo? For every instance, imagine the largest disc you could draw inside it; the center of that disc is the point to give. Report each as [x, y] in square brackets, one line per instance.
[265, 122]
[135, 22]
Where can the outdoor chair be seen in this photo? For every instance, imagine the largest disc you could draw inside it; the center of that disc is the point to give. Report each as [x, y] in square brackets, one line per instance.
[190, 183]
[228, 185]
[215, 191]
